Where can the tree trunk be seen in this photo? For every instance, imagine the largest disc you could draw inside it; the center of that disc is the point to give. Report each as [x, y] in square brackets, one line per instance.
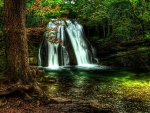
[16, 40]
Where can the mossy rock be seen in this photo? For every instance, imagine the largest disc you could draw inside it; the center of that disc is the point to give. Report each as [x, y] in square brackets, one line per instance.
[136, 59]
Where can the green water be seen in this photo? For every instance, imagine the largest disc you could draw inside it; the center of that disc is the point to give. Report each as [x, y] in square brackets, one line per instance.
[122, 91]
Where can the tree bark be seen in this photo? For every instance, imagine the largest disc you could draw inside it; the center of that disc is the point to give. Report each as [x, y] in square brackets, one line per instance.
[16, 41]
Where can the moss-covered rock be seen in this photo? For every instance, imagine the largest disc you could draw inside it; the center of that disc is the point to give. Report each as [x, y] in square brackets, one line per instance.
[134, 54]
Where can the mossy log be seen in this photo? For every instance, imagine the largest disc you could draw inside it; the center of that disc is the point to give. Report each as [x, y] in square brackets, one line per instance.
[134, 54]
[136, 42]
[107, 49]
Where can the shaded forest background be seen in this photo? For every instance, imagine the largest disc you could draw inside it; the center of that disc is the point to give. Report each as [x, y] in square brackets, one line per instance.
[118, 29]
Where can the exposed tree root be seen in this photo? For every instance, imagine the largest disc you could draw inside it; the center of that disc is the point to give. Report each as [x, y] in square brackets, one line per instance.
[27, 92]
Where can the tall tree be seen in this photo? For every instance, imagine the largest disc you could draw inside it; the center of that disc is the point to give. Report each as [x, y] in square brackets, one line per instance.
[16, 40]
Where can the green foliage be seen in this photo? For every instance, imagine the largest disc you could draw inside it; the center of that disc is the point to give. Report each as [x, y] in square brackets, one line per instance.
[1, 18]
[136, 15]
[52, 3]
[120, 16]
[1, 3]
[126, 19]
[40, 12]
[29, 3]
[90, 12]
[122, 19]
[147, 35]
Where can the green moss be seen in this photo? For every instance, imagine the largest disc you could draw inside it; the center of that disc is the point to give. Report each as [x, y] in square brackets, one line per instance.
[123, 76]
[138, 50]
[136, 83]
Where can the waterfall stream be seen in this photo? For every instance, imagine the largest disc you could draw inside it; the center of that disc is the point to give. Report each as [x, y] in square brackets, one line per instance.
[65, 44]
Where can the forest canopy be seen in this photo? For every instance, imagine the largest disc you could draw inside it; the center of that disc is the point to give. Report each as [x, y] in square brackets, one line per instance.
[123, 19]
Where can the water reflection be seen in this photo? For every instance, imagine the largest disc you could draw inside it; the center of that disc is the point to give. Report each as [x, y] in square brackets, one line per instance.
[122, 90]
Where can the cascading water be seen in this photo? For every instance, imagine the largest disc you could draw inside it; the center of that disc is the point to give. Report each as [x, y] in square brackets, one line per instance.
[63, 40]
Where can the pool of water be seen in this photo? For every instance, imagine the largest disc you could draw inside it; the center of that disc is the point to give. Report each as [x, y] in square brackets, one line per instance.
[122, 91]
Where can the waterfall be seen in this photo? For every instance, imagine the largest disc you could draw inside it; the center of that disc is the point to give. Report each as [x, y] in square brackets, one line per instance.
[63, 40]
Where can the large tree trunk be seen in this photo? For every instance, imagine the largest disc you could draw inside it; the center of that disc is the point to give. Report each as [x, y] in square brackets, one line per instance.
[16, 40]
[17, 50]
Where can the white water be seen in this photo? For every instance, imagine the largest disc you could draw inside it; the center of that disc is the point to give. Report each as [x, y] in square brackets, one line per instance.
[75, 33]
